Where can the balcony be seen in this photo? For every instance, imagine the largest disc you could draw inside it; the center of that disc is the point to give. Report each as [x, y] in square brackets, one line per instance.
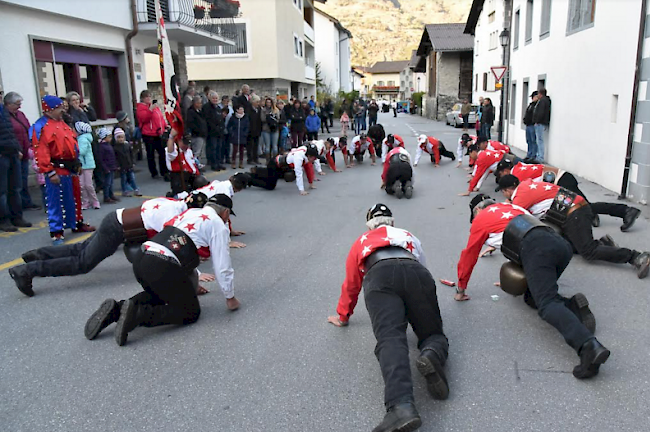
[186, 24]
[386, 89]
[310, 73]
[309, 33]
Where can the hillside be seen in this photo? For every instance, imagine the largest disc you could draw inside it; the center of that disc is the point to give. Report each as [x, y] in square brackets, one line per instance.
[390, 29]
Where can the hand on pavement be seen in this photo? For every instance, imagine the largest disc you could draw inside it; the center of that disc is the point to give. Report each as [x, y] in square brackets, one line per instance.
[488, 251]
[464, 194]
[460, 164]
[338, 171]
[237, 233]
[373, 164]
[201, 290]
[311, 186]
[333, 319]
[237, 245]
[233, 304]
[303, 193]
[436, 165]
[206, 277]
[322, 173]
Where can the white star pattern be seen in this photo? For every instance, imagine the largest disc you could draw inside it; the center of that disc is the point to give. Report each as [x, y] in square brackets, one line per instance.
[363, 238]
[533, 186]
[534, 167]
[497, 155]
[548, 187]
[506, 215]
[388, 239]
[366, 250]
[523, 168]
[493, 209]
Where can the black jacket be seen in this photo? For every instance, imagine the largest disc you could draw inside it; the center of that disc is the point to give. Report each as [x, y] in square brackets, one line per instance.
[542, 112]
[214, 119]
[488, 115]
[256, 122]
[195, 123]
[297, 117]
[9, 145]
[124, 155]
[242, 101]
[528, 116]
[83, 116]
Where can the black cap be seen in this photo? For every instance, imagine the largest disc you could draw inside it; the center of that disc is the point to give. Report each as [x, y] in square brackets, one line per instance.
[390, 138]
[196, 199]
[471, 148]
[533, 94]
[224, 201]
[312, 150]
[507, 181]
[474, 202]
[378, 210]
[200, 181]
[504, 163]
[465, 137]
[240, 180]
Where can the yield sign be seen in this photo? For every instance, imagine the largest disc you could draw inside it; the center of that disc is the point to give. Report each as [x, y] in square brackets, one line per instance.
[498, 72]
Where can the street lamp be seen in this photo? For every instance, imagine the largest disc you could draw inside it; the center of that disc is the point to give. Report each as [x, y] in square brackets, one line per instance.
[504, 38]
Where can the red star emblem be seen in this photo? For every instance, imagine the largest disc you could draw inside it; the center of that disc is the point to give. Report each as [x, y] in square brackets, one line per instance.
[205, 217]
[156, 207]
[143, 210]
[146, 247]
[189, 227]
[211, 188]
[410, 246]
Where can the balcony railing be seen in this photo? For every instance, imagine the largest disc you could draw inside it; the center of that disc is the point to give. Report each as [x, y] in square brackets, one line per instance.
[192, 13]
[386, 88]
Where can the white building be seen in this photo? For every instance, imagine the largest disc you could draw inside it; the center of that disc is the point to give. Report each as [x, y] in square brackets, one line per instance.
[332, 52]
[584, 53]
[274, 52]
[54, 47]
[410, 81]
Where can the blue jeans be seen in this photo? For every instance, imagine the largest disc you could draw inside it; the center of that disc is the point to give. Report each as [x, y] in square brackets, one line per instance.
[531, 141]
[540, 129]
[270, 143]
[128, 181]
[10, 186]
[485, 130]
[24, 193]
[108, 186]
[357, 125]
[225, 150]
[213, 150]
[363, 123]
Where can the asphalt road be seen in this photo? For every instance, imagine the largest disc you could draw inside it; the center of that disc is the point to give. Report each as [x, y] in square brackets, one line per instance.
[276, 365]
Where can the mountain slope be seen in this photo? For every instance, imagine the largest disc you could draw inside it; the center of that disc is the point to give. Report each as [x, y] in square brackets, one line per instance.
[390, 29]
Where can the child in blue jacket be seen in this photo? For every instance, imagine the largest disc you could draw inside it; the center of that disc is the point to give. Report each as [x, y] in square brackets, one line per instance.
[312, 123]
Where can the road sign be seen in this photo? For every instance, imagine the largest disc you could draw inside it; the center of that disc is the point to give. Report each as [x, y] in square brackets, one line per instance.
[498, 86]
[498, 72]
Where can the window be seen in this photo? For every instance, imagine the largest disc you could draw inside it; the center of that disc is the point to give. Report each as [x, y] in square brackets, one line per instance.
[581, 15]
[240, 47]
[298, 4]
[391, 83]
[380, 84]
[476, 50]
[545, 24]
[525, 92]
[336, 48]
[485, 79]
[402, 84]
[513, 102]
[494, 40]
[491, 17]
[297, 46]
[529, 21]
[476, 82]
[541, 82]
[515, 32]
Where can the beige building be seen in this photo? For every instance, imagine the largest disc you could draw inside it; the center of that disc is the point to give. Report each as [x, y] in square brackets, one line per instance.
[274, 52]
[383, 79]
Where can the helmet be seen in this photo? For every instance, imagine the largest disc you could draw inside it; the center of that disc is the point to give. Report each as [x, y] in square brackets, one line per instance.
[199, 182]
[312, 150]
[513, 279]
[196, 200]
[422, 139]
[390, 139]
[378, 210]
[478, 199]
[549, 177]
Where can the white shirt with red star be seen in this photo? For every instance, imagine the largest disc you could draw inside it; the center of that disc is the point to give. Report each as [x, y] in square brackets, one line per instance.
[217, 187]
[365, 245]
[395, 151]
[385, 147]
[211, 238]
[431, 146]
[486, 162]
[528, 171]
[497, 145]
[356, 146]
[537, 197]
[460, 150]
[487, 228]
[322, 151]
[156, 212]
[178, 161]
[297, 159]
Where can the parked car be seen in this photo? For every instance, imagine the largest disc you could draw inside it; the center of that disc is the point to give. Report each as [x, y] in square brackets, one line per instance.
[456, 120]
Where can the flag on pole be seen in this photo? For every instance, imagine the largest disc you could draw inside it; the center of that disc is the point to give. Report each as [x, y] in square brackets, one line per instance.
[170, 89]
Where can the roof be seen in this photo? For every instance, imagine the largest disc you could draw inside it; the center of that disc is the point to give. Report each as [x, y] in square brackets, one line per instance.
[356, 72]
[336, 22]
[388, 67]
[445, 37]
[474, 14]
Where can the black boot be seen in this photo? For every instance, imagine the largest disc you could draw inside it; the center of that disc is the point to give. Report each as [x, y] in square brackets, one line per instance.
[7, 227]
[408, 189]
[579, 305]
[397, 189]
[31, 255]
[607, 240]
[108, 313]
[595, 221]
[641, 262]
[631, 215]
[400, 418]
[592, 355]
[430, 367]
[21, 223]
[23, 280]
[127, 321]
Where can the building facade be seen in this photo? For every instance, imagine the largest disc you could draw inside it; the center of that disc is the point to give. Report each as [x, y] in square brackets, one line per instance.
[332, 53]
[383, 79]
[445, 56]
[411, 81]
[274, 52]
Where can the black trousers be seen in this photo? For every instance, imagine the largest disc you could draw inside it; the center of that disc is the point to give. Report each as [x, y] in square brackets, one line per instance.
[169, 295]
[79, 258]
[181, 182]
[311, 136]
[401, 171]
[324, 125]
[266, 178]
[252, 148]
[446, 153]
[399, 292]
[544, 256]
[152, 145]
[568, 181]
[578, 230]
